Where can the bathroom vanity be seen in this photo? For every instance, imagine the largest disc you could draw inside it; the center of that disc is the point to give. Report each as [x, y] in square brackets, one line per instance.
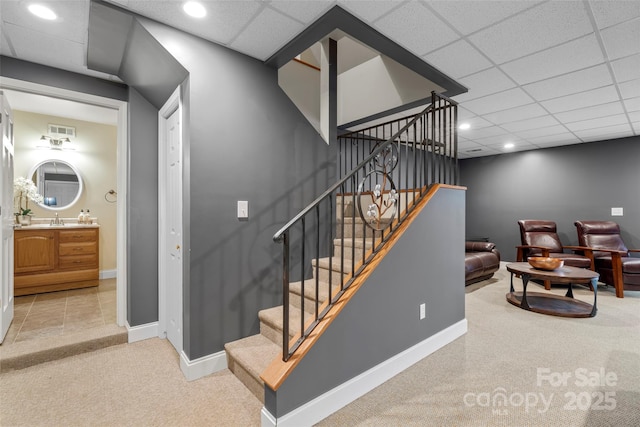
[55, 257]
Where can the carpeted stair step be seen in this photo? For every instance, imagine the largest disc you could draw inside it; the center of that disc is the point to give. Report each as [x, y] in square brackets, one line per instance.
[356, 227]
[352, 247]
[271, 322]
[295, 289]
[248, 357]
[333, 268]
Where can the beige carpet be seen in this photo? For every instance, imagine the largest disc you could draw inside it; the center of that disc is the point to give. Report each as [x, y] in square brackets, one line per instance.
[141, 384]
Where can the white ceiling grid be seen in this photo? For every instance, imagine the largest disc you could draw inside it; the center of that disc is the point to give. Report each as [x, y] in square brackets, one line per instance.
[539, 73]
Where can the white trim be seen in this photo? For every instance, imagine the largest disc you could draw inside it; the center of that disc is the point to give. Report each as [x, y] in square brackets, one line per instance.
[142, 332]
[203, 366]
[122, 167]
[322, 406]
[108, 274]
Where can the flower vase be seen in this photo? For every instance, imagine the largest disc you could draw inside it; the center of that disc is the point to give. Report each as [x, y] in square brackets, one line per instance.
[24, 219]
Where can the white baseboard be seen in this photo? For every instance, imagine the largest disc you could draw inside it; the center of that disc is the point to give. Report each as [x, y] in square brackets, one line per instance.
[203, 366]
[322, 406]
[142, 332]
[107, 274]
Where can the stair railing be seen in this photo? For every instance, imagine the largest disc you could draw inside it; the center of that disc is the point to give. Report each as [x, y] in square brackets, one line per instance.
[385, 170]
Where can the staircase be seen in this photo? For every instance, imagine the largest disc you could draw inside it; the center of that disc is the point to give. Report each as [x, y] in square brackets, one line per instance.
[248, 357]
[356, 216]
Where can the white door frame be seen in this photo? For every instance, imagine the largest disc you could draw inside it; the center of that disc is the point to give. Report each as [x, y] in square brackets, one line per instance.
[173, 103]
[122, 176]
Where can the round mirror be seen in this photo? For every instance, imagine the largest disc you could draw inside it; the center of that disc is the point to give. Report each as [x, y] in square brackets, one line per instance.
[59, 183]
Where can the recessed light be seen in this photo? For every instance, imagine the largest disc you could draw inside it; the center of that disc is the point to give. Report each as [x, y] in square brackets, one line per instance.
[509, 145]
[42, 12]
[464, 126]
[194, 9]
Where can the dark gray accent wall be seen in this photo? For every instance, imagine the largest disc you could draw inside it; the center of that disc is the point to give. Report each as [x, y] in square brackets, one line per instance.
[561, 184]
[382, 320]
[35, 73]
[142, 214]
[247, 142]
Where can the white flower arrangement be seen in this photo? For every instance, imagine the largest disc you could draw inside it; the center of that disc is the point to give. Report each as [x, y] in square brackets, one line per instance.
[25, 189]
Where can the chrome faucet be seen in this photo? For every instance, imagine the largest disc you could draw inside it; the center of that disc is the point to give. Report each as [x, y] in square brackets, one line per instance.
[57, 221]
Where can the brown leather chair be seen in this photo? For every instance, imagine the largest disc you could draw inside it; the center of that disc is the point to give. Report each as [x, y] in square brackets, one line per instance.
[539, 238]
[611, 256]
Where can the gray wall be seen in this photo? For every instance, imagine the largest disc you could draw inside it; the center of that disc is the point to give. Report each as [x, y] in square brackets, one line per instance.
[383, 318]
[562, 184]
[247, 142]
[142, 213]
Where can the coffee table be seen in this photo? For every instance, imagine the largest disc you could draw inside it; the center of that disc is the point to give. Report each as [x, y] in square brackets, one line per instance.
[548, 303]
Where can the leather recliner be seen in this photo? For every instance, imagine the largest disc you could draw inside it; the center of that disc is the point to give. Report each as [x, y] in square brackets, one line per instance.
[610, 254]
[540, 238]
[481, 261]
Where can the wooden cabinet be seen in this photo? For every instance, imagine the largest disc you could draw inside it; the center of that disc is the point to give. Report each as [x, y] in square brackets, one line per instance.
[47, 260]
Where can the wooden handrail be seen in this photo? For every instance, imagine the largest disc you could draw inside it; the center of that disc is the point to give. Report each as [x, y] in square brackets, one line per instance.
[278, 371]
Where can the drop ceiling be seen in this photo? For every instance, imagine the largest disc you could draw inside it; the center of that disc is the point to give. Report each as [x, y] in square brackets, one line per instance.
[539, 73]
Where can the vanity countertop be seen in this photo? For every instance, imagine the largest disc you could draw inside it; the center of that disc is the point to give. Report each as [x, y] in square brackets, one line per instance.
[46, 225]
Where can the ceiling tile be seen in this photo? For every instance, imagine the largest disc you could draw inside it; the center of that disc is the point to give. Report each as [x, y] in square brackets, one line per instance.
[578, 81]
[627, 68]
[31, 46]
[550, 144]
[540, 132]
[498, 140]
[499, 101]
[304, 11]
[484, 83]
[538, 122]
[605, 137]
[622, 40]
[368, 10]
[538, 28]
[604, 133]
[611, 12]
[458, 59]
[600, 122]
[268, 32]
[417, 26]
[602, 110]
[581, 100]
[470, 16]
[632, 104]
[630, 89]
[475, 134]
[515, 114]
[573, 56]
[556, 139]
[636, 127]
[223, 22]
[475, 123]
[65, 27]
[634, 116]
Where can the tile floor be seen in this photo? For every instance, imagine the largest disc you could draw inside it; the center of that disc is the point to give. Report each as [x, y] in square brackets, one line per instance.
[62, 312]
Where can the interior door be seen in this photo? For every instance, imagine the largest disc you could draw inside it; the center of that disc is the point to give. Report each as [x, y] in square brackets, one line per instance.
[6, 214]
[173, 229]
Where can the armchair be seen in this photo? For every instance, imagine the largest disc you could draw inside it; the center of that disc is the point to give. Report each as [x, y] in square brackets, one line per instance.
[539, 238]
[611, 256]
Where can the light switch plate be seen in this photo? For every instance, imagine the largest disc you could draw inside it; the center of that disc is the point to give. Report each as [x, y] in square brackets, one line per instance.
[617, 212]
[243, 209]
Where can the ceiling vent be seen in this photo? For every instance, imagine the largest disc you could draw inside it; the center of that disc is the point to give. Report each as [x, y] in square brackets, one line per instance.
[474, 150]
[61, 131]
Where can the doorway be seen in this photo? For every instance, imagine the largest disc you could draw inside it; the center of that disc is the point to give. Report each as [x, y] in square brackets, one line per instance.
[120, 107]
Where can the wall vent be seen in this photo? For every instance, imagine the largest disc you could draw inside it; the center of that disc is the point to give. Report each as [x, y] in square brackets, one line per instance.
[61, 131]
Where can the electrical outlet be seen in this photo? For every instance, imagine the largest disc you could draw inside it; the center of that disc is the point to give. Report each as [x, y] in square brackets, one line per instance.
[423, 311]
[617, 211]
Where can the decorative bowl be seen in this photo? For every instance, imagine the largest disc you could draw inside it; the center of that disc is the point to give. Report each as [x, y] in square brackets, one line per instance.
[545, 263]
